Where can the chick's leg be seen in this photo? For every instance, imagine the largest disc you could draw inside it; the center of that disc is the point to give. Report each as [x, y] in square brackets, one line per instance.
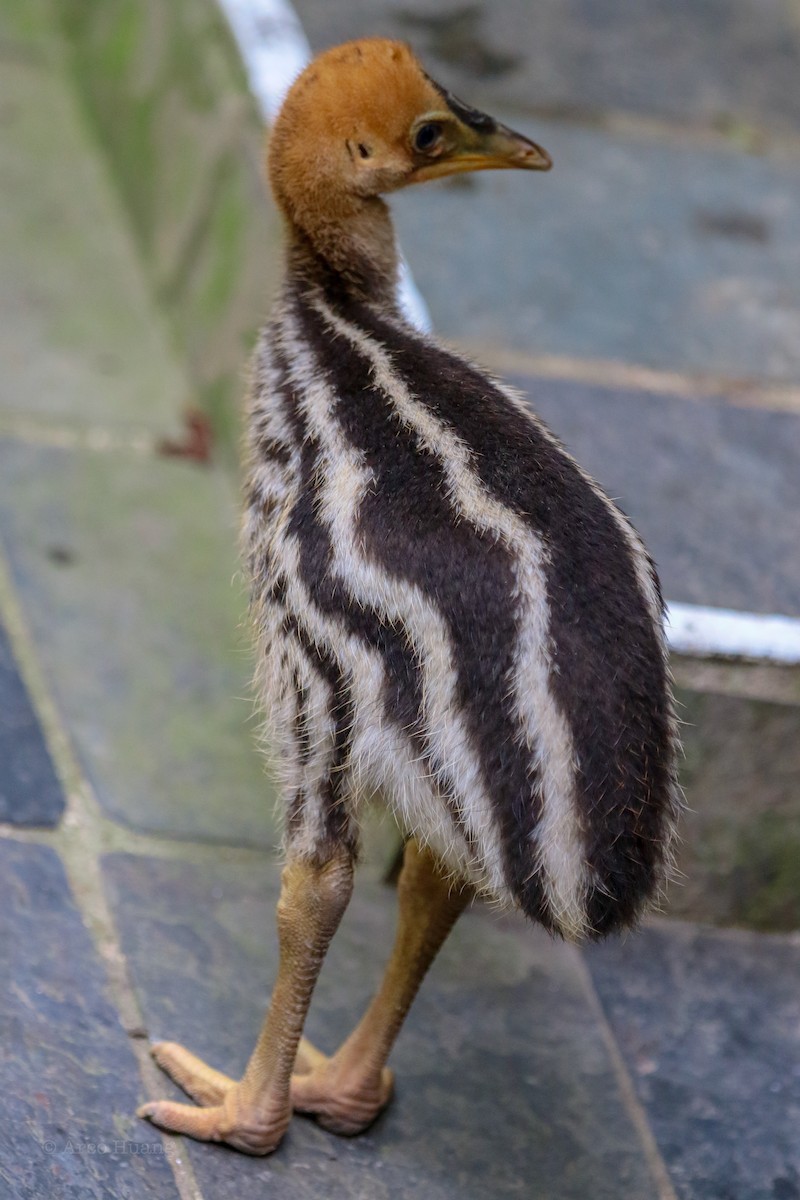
[347, 1091]
[253, 1114]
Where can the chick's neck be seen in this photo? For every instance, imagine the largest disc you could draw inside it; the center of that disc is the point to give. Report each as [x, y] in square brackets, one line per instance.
[351, 253]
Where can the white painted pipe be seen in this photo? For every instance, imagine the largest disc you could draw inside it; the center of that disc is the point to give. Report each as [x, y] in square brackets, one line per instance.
[715, 632]
[273, 47]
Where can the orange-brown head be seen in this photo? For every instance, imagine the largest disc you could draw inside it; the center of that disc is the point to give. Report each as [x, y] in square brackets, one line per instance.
[364, 119]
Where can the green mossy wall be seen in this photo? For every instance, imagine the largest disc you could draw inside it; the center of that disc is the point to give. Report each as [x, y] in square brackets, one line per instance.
[166, 93]
[740, 852]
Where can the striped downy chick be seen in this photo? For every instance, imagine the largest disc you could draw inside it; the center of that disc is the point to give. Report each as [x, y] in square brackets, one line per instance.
[451, 615]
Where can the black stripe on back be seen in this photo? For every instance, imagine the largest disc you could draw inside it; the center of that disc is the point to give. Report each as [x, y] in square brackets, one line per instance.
[610, 678]
[302, 733]
[271, 450]
[409, 529]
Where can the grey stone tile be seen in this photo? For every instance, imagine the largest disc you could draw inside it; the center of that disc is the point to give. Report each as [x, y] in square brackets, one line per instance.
[30, 793]
[630, 249]
[677, 59]
[504, 1086]
[124, 565]
[69, 1078]
[709, 1024]
[713, 489]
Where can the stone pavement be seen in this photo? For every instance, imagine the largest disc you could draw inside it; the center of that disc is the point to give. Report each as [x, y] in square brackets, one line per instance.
[646, 295]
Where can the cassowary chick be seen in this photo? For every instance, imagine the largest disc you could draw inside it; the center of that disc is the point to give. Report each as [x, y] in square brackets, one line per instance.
[451, 615]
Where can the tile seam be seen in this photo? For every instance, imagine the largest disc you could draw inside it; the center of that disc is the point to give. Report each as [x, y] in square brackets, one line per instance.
[76, 843]
[753, 394]
[78, 437]
[633, 1105]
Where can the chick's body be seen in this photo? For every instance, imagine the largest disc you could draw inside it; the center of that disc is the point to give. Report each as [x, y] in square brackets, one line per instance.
[453, 616]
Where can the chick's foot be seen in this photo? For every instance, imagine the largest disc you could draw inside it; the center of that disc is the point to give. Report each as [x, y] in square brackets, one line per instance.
[227, 1113]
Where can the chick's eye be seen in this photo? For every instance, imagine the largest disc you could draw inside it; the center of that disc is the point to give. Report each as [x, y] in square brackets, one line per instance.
[427, 136]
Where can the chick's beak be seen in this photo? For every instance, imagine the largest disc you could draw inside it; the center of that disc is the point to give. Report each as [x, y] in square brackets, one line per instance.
[477, 142]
